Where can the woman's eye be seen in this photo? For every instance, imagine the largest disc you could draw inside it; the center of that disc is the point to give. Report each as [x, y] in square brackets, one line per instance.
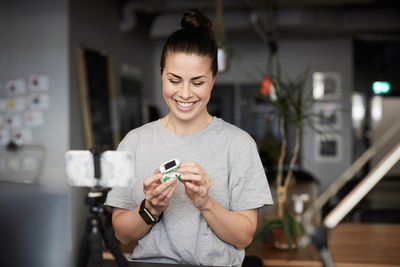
[198, 83]
[174, 81]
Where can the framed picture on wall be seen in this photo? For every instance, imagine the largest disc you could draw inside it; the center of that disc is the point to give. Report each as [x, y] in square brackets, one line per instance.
[327, 116]
[327, 85]
[328, 147]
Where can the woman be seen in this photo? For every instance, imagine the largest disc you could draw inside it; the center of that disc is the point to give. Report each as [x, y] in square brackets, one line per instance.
[209, 215]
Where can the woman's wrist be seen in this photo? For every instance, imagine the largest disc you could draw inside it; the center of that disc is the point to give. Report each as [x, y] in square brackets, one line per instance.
[151, 209]
[207, 206]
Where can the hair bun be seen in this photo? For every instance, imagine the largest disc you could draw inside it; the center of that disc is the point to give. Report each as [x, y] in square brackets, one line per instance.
[194, 18]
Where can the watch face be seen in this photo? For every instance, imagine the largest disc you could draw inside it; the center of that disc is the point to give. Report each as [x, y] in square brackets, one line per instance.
[148, 218]
[145, 214]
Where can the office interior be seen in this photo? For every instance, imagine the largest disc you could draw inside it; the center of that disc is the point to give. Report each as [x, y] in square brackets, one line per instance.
[353, 42]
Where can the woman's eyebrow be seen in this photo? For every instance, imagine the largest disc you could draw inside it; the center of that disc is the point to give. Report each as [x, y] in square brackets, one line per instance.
[198, 77]
[176, 76]
[179, 77]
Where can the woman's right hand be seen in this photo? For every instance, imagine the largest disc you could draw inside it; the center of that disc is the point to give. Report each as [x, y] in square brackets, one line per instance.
[157, 193]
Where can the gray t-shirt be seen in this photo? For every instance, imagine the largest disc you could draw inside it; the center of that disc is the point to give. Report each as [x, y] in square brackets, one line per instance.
[238, 182]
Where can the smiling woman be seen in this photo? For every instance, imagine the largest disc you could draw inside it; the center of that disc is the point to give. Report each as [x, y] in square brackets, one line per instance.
[209, 215]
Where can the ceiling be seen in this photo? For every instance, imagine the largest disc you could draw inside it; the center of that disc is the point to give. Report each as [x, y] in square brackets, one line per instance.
[376, 19]
[374, 25]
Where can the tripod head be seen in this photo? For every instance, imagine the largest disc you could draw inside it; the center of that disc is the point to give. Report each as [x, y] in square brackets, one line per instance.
[95, 200]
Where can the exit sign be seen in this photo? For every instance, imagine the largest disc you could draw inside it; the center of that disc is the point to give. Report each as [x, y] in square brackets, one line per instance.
[380, 87]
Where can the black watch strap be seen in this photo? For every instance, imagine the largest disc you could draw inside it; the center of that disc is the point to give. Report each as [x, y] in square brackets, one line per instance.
[147, 216]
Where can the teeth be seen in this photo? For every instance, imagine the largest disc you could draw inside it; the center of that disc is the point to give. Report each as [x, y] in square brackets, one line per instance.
[185, 105]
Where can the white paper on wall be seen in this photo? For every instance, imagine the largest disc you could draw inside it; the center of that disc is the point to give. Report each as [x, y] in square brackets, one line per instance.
[39, 101]
[3, 163]
[13, 163]
[4, 136]
[33, 118]
[38, 83]
[30, 163]
[21, 136]
[12, 120]
[15, 104]
[3, 104]
[15, 87]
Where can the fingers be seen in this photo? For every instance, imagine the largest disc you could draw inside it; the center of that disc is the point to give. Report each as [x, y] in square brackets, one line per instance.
[153, 187]
[200, 178]
[191, 171]
[154, 179]
[194, 188]
[192, 178]
[189, 167]
[162, 199]
[163, 188]
[160, 195]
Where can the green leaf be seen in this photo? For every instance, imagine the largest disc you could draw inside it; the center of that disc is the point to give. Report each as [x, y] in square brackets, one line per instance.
[298, 231]
[286, 230]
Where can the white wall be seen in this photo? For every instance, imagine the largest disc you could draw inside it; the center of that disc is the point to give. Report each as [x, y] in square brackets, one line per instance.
[390, 115]
[324, 55]
[34, 40]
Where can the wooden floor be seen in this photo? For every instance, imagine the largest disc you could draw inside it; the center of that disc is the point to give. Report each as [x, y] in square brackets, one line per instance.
[374, 244]
[351, 245]
[276, 257]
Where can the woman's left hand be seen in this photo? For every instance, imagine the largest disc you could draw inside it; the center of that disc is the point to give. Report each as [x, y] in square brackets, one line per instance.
[196, 181]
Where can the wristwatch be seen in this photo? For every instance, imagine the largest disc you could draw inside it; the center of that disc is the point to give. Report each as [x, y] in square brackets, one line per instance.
[147, 216]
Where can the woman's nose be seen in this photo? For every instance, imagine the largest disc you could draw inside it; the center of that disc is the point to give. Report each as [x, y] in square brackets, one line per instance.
[186, 91]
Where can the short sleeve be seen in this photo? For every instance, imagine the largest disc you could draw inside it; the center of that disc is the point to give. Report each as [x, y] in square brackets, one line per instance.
[122, 197]
[248, 184]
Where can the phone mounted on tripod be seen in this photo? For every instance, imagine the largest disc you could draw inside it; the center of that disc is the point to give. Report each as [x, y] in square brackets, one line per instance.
[100, 171]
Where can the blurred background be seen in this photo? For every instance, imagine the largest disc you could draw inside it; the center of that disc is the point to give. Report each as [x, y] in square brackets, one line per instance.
[74, 74]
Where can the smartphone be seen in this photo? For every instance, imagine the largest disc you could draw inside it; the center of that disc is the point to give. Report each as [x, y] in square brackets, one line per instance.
[116, 168]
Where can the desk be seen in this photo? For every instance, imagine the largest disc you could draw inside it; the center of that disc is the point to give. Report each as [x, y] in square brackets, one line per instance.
[109, 263]
[351, 245]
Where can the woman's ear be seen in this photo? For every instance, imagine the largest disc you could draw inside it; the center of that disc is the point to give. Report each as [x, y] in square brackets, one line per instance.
[214, 78]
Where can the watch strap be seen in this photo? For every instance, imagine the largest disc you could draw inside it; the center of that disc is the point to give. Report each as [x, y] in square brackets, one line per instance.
[146, 214]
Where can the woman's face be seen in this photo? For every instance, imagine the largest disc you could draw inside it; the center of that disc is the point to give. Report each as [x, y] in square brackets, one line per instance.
[187, 82]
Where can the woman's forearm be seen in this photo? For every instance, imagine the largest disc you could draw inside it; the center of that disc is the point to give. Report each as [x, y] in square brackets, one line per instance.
[234, 227]
[128, 225]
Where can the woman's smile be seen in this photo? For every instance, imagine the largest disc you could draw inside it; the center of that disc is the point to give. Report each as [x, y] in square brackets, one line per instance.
[184, 106]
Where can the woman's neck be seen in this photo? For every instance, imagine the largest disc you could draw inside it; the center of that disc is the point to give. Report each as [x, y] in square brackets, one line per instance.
[186, 127]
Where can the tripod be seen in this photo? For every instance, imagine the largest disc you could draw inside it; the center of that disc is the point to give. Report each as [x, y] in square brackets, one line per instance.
[98, 226]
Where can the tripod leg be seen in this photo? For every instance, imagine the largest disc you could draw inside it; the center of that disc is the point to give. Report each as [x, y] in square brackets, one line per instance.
[96, 256]
[320, 240]
[112, 244]
[83, 253]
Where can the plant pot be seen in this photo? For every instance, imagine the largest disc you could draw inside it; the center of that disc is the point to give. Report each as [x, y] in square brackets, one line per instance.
[279, 240]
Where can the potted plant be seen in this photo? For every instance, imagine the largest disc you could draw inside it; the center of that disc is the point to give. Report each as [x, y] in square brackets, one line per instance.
[292, 104]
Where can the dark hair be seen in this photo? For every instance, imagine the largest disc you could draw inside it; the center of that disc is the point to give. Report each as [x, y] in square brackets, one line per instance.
[195, 37]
